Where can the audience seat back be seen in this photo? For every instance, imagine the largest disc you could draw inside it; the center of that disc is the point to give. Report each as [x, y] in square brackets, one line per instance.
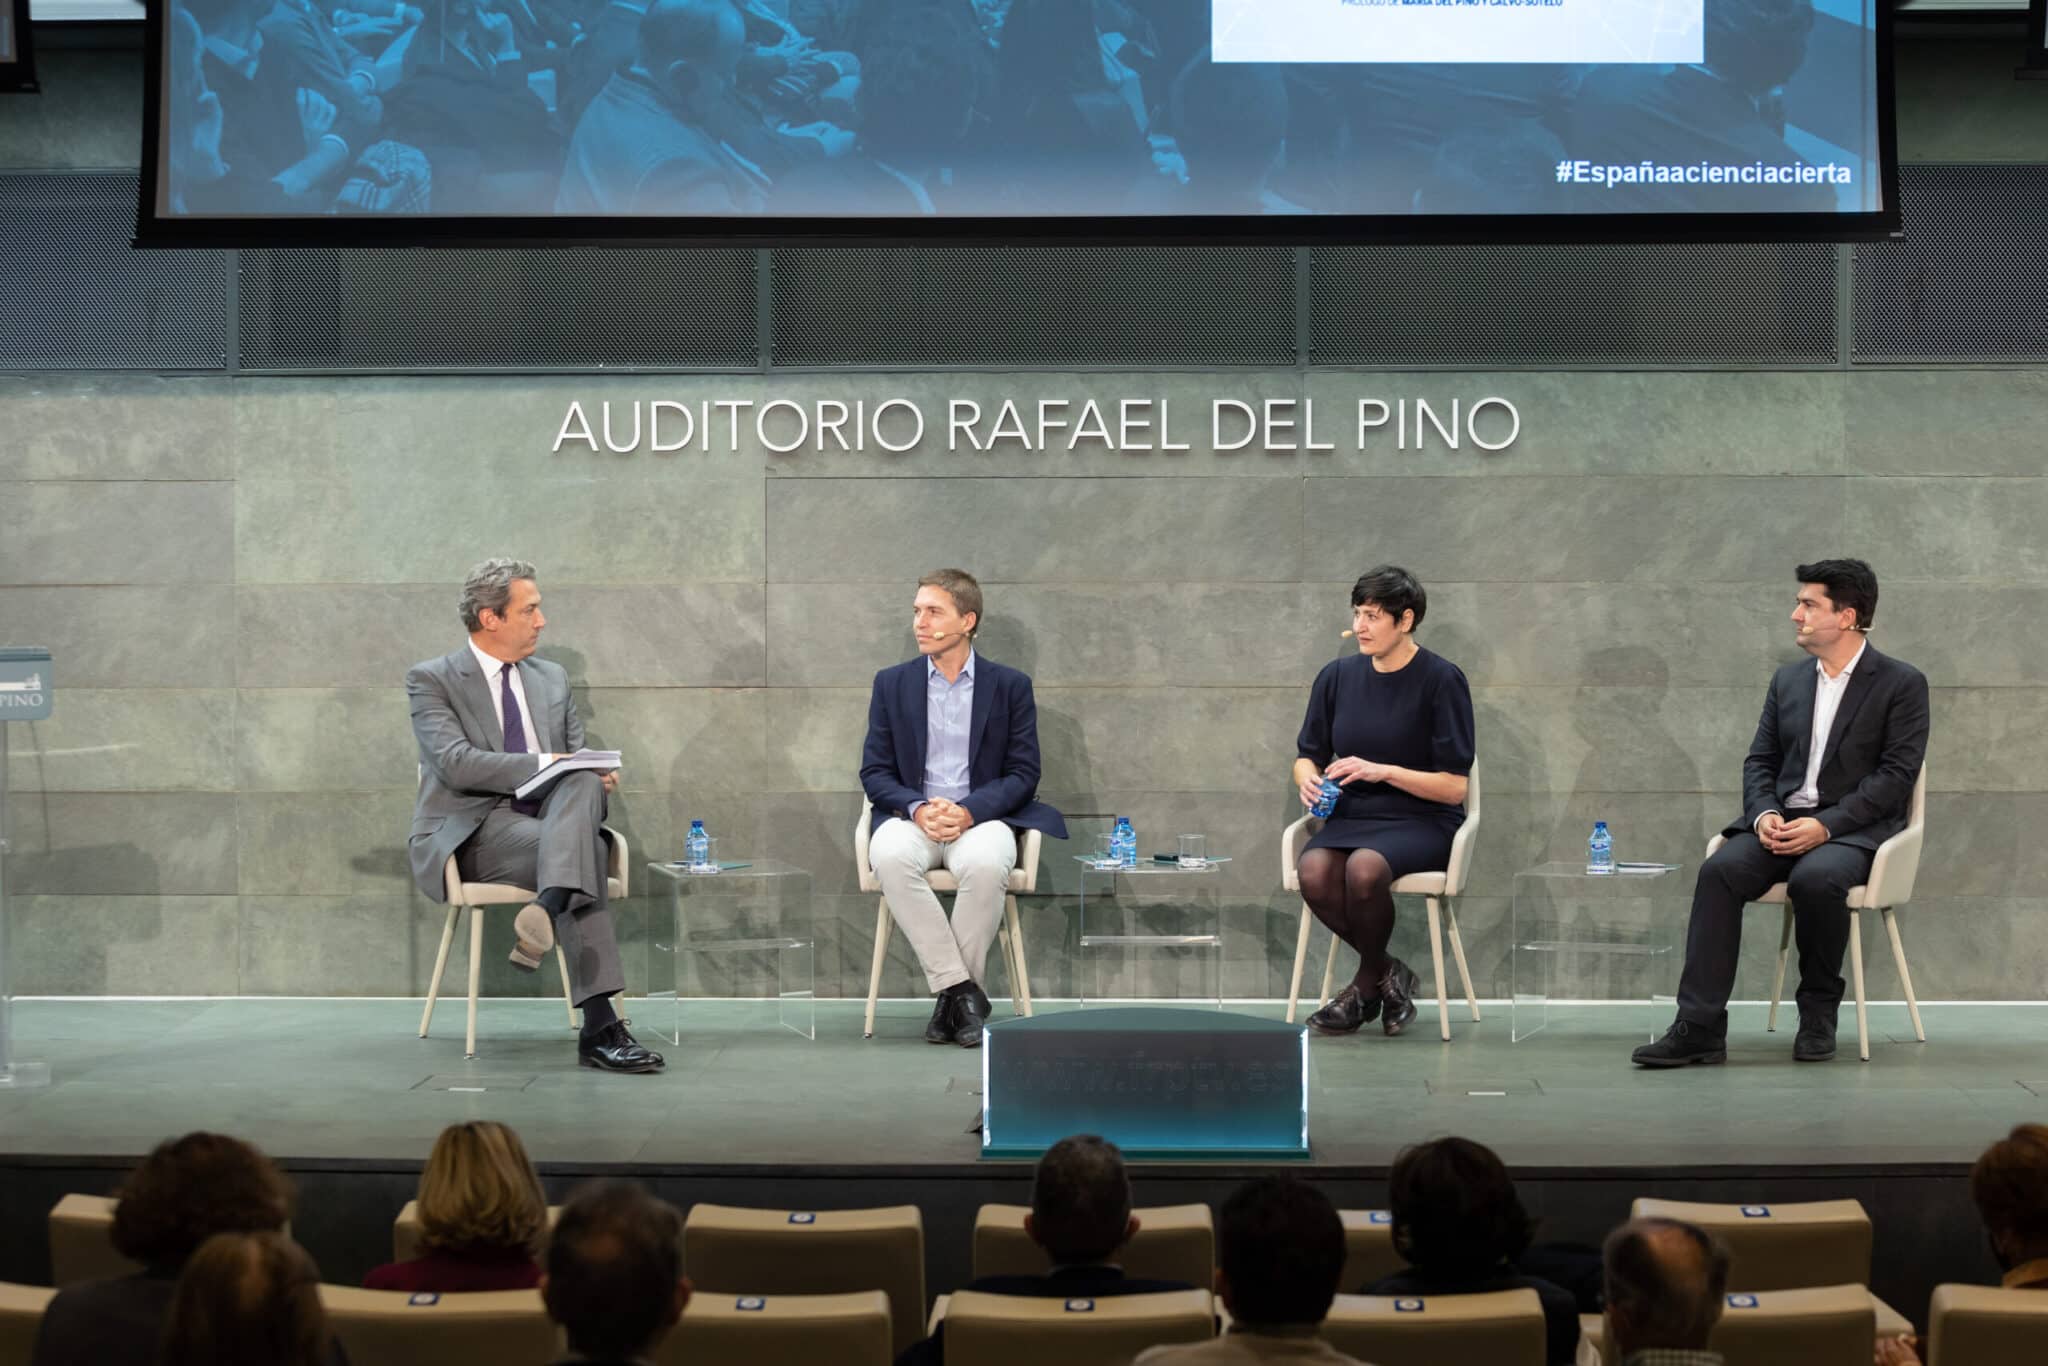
[393, 1328]
[1984, 1325]
[1174, 1243]
[782, 1330]
[82, 1241]
[1501, 1328]
[21, 1314]
[1834, 1325]
[1781, 1247]
[405, 1231]
[1369, 1254]
[1019, 1330]
[735, 1251]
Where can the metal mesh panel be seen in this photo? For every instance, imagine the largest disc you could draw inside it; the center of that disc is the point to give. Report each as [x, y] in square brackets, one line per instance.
[581, 309]
[80, 298]
[1546, 306]
[1034, 306]
[1968, 281]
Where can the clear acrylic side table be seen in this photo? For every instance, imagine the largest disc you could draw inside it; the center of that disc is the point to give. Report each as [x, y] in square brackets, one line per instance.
[1591, 936]
[1193, 944]
[743, 932]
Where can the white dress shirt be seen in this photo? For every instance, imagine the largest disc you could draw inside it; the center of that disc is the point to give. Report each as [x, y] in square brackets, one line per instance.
[494, 683]
[1827, 701]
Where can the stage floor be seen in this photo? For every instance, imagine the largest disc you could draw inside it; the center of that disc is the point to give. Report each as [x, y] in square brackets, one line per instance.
[339, 1079]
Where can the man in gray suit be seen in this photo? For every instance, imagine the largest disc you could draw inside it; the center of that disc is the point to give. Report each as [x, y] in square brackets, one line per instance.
[488, 717]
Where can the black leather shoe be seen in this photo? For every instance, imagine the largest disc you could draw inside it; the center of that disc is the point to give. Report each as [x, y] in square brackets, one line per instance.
[1397, 996]
[1683, 1044]
[1816, 1039]
[1346, 1011]
[973, 988]
[614, 1049]
[941, 1027]
[970, 1016]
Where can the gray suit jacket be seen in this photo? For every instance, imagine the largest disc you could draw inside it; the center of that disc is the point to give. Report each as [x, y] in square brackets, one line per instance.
[464, 767]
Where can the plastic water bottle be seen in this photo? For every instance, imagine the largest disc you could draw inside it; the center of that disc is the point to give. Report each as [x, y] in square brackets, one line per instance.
[1124, 843]
[697, 846]
[1326, 801]
[1600, 850]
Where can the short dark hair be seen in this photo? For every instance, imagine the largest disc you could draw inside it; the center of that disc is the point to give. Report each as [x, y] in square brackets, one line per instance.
[614, 1261]
[1666, 1278]
[1394, 589]
[1081, 1200]
[1850, 583]
[1455, 1208]
[247, 1297]
[962, 588]
[1280, 1245]
[2010, 1187]
[189, 1189]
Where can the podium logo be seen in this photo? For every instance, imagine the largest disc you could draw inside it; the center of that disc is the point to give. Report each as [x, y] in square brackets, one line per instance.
[22, 692]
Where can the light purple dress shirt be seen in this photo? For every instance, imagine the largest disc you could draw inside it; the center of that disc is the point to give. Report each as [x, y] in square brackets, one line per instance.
[949, 711]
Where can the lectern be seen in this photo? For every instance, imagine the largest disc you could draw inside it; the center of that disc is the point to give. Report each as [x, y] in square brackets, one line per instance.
[24, 696]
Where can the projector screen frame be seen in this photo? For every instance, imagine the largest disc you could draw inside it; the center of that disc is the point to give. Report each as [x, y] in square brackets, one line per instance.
[18, 75]
[154, 229]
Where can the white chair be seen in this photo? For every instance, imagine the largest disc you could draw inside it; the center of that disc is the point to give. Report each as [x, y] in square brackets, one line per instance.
[1498, 1328]
[781, 1330]
[1023, 878]
[406, 1231]
[394, 1328]
[1439, 892]
[1174, 1243]
[1792, 1246]
[21, 1318]
[1025, 1330]
[735, 1251]
[473, 897]
[1891, 885]
[82, 1241]
[1984, 1325]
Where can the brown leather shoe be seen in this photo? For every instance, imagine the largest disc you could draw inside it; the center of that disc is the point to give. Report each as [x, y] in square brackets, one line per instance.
[1398, 985]
[1346, 1011]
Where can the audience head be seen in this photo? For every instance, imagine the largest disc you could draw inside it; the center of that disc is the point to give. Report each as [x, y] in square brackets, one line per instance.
[1081, 1201]
[247, 1299]
[2010, 1185]
[1837, 586]
[1392, 602]
[1279, 1253]
[919, 92]
[1455, 1208]
[191, 1188]
[692, 49]
[1230, 119]
[1757, 44]
[614, 1277]
[479, 1191]
[948, 602]
[501, 608]
[1665, 1282]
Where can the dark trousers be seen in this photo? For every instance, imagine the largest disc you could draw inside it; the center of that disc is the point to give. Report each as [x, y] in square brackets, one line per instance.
[1818, 882]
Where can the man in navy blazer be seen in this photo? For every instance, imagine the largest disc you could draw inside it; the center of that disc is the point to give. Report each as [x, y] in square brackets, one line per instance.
[1829, 777]
[950, 764]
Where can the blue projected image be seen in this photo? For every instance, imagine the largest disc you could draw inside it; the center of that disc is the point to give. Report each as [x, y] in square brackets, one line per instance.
[832, 111]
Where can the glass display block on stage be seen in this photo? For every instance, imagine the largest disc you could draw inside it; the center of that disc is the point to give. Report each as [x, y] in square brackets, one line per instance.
[1158, 1082]
[1128, 949]
[743, 932]
[1581, 936]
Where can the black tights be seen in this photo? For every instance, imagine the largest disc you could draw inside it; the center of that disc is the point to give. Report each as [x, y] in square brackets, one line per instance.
[1348, 891]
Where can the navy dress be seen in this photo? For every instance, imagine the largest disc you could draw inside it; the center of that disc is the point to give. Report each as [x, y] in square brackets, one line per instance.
[1420, 717]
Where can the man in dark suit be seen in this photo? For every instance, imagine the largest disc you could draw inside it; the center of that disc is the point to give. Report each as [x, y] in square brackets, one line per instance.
[1828, 779]
[1081, 1217]
[614, 1279]
[951, 763]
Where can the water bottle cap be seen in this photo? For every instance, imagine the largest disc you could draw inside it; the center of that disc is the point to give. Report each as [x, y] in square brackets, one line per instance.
[696, 825]
[1599, 825]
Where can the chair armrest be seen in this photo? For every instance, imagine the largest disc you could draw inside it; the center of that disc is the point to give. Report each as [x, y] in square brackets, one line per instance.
[864, 874]
[1459, 866]
[1893, 869]
[620, 860]
[1714, 845]
[1292, 839]
[1027, 858]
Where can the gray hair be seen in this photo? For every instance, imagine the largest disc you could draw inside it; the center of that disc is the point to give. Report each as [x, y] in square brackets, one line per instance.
[1666, 1279]
[489, 588]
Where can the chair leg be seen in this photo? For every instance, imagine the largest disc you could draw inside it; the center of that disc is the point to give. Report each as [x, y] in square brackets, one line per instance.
[1856, 963]
[1905, 977]
[476, 963]
[568, 992]
[875, 973]
[1458, 954]
[440, 966]
[1436, 956]
[1021, 990]
[1778, 982]
[1300, 959]
[1329, 971]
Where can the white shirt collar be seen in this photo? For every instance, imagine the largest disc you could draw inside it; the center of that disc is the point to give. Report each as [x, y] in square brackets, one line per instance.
[931, 667]
[1847, 669]
[492, 666]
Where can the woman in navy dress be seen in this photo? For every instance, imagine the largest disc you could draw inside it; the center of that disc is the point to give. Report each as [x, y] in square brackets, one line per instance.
[1392, 725]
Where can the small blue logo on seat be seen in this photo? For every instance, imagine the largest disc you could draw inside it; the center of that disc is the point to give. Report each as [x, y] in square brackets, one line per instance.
[1080, 1306]
[1407, 1306]
[1742, 1301]
[1379, 1216]
[424, 1297]
[750, 1304]
[1756, 1211]
[803, 1217]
